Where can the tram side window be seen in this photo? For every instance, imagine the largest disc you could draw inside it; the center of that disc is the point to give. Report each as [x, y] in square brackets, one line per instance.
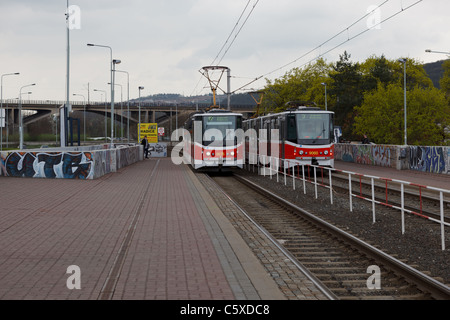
[291, 129]
[239, 124]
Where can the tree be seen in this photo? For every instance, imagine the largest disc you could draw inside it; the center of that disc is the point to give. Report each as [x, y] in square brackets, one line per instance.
[302, 84]
[381, 115]
[445, 80]
[377, 69]
[346, 88]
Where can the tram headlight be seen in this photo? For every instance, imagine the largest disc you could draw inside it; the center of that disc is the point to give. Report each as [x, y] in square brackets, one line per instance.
[300, 152]
[232, 153]
[325, 152]
[208, 154]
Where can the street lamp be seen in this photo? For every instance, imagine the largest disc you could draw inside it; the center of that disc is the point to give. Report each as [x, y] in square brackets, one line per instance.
[113, 63]
[404, 92]
[20, 116]
[84, 115]
[325, 85]
[3, 116]
[140, 88]
[431, 51]
[106, 125]
[128, 103]
[121, 106]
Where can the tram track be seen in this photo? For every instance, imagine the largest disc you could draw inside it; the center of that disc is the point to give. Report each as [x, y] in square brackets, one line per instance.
[339, 260]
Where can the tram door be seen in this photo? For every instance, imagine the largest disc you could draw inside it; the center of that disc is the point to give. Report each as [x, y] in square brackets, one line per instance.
[267, 137]
[282, 135]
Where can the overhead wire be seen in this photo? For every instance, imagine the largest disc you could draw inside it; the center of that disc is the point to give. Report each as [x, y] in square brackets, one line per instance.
[230, 35]
[362, 32]
[240, 29]
[403, 9]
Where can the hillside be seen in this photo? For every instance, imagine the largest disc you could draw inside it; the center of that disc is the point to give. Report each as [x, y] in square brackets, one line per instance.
[236, 99]
[435, 72]
[433, 69]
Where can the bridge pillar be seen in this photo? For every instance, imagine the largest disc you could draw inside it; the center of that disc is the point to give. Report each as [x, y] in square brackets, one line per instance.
[15, 116]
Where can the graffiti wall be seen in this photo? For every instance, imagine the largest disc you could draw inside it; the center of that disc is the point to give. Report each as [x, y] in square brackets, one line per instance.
[66, 165]
[376, 155]
[427, 159]
[48, 165]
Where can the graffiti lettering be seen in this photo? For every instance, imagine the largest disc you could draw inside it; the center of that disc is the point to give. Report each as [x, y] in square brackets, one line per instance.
[50, 165]
[20, 165]
[372, 155]
[427, 159]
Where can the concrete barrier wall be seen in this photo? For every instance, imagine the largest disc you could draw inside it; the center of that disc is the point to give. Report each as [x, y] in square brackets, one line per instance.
[419, 158]
[83, 163]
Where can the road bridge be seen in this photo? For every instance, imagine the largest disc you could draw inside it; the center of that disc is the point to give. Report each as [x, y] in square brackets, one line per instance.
[150, 111]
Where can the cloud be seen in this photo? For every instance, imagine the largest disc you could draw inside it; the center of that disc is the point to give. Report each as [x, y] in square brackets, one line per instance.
[163, 43]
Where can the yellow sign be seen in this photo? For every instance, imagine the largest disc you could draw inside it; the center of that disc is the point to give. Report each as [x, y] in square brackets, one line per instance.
[150, 130]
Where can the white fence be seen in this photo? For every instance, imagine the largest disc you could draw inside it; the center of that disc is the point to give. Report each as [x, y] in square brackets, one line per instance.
[293, 172]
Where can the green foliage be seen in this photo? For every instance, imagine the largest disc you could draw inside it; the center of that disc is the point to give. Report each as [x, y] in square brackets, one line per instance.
[381, 116]
[297, 85]
[347, 87]
[367, 98]
[445, 80]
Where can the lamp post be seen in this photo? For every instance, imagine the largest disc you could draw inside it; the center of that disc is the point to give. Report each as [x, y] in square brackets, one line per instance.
[20, 116]
[139, 135]
[442, 52]
[113, 63]
[84, 115]
[3, 116]
[404, 93]
[121, 107]
[325, 85]
[67, 107]
[128, 103]
[106, 125]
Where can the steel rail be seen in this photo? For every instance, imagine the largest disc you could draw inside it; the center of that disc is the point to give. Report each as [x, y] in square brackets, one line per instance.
[437, 289]
[320, 286]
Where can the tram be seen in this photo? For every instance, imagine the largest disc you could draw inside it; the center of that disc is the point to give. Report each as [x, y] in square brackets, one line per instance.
[213, 142]
[298, 136]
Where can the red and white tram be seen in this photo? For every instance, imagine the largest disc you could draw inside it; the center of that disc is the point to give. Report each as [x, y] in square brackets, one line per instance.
[213, 141]
[299, 136]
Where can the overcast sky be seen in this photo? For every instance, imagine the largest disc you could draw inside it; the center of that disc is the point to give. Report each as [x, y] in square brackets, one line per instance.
[164, 43]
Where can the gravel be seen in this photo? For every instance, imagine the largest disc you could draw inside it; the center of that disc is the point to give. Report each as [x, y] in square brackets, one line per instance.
[419, 246]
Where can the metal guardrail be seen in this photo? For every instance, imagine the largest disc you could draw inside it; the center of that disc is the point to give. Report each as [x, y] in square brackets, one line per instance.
[274, 164]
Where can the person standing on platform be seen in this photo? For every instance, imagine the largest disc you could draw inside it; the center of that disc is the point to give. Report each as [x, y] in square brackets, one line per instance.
[365, 140]
[146, 146]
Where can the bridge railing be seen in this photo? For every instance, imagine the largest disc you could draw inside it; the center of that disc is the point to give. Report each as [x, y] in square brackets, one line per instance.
[200, 106]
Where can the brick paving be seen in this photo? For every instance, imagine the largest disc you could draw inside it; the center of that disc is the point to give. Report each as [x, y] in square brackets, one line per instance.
[144, 232]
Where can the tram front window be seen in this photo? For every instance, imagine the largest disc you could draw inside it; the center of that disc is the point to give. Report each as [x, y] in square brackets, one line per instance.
[220, 129]
[314, 128]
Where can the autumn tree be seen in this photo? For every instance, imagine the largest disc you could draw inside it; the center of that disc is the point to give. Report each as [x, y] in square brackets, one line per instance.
[346, 88]
[445, 80]
[299, 84]
[381, 116]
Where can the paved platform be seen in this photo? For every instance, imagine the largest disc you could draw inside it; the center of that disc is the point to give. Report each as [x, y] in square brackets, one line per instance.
[423, 178]
[149, 231]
